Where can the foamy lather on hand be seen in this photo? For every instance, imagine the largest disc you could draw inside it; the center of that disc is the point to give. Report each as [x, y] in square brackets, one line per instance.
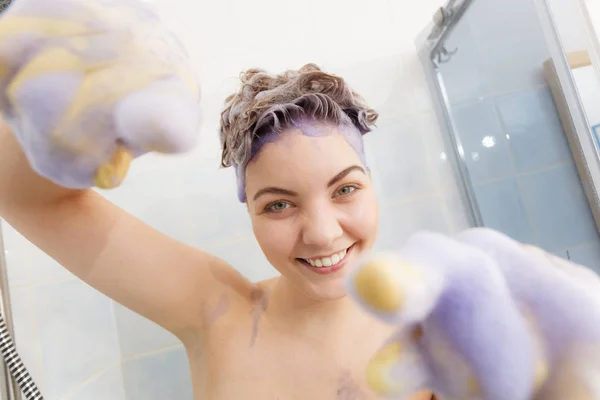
[482, 317]
[89, 85]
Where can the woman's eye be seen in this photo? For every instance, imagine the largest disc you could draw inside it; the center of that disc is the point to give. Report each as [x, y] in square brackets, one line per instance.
[346, 190]
[277, 206]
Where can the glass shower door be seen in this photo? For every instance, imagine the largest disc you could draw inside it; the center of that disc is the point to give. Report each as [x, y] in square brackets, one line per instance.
[503, 124]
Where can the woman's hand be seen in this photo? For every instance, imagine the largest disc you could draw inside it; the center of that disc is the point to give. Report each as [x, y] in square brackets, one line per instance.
[87, 86]
[482, 317]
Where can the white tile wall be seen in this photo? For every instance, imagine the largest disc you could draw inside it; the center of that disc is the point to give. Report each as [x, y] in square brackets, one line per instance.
[569, 17]
[593, 10]
[107, 384]
[78, 344]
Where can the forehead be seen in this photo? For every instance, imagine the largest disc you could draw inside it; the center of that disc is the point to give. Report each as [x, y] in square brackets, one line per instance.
[295, 156]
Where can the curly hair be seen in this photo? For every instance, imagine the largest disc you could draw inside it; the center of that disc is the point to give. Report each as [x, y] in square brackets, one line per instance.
[265, 103]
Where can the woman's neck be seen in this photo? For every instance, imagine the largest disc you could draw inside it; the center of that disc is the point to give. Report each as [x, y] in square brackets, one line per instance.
[307, 316]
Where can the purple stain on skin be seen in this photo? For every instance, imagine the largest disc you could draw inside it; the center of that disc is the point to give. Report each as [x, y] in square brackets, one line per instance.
[348, 389]
[219, 310]
[308, 128]
[260, 301]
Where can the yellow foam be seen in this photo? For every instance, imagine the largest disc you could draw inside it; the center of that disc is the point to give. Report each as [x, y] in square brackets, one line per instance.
[112, 173]
[100, 89]
[376, 285]
[473, 386]
[190, 80]
[79, 43]
[48, 61]
[541, 369]
[15, 24]
[541, 374]
[122, 80]
[379, 367]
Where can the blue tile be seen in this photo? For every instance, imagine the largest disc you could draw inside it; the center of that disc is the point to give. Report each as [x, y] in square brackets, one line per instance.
[129, 326]
[515, 65]
[588, 256]
[77, 334]
[510, 44]
[158, 376]
[558, 206]
[489, 19]
[485, 145]
[106, 385]
[503, 209]
[537, 138]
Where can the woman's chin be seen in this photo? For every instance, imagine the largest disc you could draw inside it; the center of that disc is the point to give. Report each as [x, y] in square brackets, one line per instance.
[314, 287]
[327, 291]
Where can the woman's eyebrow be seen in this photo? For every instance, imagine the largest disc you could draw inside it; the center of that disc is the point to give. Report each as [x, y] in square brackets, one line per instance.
[275, 190]
[286, 192]
[345, 172]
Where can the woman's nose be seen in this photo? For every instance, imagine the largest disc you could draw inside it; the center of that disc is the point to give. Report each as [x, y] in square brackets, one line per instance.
[321, 228]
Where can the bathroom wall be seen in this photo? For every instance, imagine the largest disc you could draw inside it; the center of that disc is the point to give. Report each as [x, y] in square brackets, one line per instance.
[514, 146]
[80, 345]
[593, 9]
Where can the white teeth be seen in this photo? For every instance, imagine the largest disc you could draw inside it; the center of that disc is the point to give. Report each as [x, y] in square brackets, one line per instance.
[335, 259]
[327, 261]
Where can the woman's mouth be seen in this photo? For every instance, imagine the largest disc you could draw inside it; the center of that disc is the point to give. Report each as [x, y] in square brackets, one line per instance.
[329, 264]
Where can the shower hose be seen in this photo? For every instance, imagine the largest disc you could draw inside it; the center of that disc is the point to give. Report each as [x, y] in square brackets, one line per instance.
[15, 364]
[7, 346]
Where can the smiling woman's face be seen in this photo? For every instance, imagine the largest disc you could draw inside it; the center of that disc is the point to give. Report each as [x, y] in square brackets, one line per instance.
[313, 208]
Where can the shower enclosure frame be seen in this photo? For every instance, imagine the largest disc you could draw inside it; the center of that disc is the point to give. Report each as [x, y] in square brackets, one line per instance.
[430, 49]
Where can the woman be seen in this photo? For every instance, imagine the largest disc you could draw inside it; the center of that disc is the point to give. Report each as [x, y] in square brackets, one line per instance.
[313, 211]
[295, 141]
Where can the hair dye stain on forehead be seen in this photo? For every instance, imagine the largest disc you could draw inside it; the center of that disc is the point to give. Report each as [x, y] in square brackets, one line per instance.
[308, 128]
[316, 128]
[349, 132]
[313, 131]
[319, 129]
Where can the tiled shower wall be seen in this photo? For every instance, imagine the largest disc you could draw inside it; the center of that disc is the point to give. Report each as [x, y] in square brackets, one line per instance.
[515, 149]
[78, 344]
